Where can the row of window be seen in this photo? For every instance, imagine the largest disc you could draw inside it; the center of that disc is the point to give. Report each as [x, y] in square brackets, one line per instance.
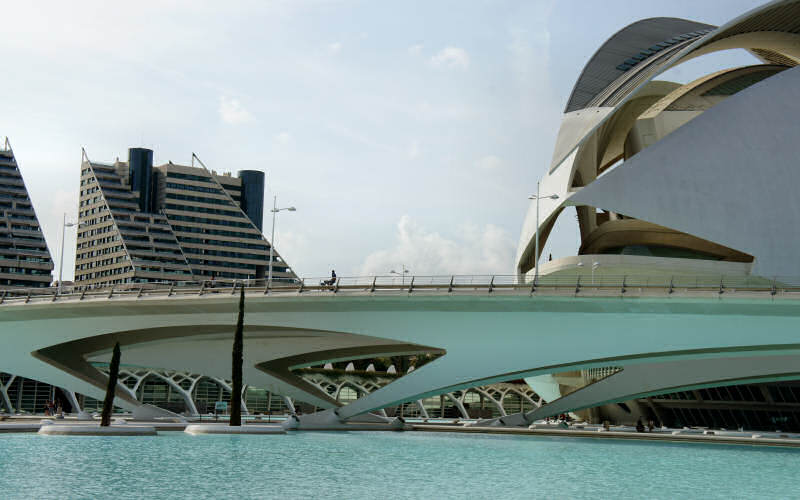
[218, 263]
[228, 275]
[223, 243]
[29, 238]
[137, 247]
[189, 177]
[27, 227]
[203, 220]
[199, 189]
[102, 263]
[221, 253]
[97, 253]
[25, 283]
[204, 210]
[24, 270]
[23, 258]
[13, 216]
[90, 201]
[103, 274]
[9, 174]
[91, 190]
[160, 261]
[199, 199]
[94, 232]
[215, 232]
[99, 241]
[20, 205]
[14, 196]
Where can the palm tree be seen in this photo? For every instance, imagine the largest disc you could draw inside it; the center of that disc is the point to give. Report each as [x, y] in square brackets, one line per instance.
[236, 368]
[113, 374]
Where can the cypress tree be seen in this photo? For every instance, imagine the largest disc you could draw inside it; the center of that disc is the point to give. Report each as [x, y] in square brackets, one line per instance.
[113, 374]
[236, 368]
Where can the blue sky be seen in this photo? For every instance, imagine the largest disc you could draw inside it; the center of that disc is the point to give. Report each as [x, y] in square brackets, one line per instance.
[405, 133]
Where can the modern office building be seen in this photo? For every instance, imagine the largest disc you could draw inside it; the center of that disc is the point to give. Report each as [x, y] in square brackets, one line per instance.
[24, 258]
[143, 223]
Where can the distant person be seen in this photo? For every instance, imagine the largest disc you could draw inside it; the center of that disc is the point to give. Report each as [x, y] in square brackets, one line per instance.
[639, 425]
[650, 425]
[331, 281]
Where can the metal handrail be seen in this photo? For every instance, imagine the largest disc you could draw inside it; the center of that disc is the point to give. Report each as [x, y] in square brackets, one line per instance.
[580, 284]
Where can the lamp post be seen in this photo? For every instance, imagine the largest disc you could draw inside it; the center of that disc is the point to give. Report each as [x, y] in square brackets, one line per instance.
[274, 211]
[402, 275]
[64, 226]
[595, 265]
[537, 197]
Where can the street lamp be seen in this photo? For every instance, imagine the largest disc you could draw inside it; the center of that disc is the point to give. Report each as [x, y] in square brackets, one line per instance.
[64, 226]
[402, 275]
[538, 197]
[595, 265]
[274, 211]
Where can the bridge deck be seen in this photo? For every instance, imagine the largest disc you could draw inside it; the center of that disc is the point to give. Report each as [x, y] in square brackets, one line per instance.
[577, 286]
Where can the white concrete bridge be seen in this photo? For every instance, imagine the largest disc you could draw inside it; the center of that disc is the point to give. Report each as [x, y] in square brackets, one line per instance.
[490, 329]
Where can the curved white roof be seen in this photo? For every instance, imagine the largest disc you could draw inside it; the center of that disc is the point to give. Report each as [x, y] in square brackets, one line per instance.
[634, 43]
[771, 32]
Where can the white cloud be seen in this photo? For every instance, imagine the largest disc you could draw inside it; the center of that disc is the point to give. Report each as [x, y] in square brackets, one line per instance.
[231, 111]
[452, 58]
[416, 50]
[282, 138]
[354, 135]
[413, 149]
[294, 246]
[335, 47]
[489, 162]
[487, 250]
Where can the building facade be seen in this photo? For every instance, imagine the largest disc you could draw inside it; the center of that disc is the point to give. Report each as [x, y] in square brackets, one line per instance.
[24, 258]
[25, 261]
[141, 223]
[673, 182]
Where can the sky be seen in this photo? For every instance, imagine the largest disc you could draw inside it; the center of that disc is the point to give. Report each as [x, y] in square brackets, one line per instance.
[405, 133]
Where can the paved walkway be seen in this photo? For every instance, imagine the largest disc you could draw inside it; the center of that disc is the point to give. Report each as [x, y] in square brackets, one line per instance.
[682, 436]
[751, 438]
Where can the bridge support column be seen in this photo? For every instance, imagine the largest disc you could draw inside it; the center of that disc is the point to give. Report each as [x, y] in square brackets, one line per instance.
[422, 410]
[4, 394]
[643, 380]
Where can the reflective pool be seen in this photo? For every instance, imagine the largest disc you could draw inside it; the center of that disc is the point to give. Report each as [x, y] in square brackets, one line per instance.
[386, 465]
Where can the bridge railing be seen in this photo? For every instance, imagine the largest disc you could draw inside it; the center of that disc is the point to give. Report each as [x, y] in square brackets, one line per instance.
[410, 284]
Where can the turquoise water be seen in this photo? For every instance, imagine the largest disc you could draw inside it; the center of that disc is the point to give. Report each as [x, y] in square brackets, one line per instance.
[386, 465]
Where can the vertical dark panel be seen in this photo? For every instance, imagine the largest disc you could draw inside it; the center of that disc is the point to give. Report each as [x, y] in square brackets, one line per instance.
[253, 182]
[140, 167]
